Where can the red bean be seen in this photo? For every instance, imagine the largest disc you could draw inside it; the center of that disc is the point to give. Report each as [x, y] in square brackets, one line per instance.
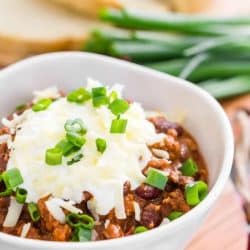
[162, 125]
[147, 192]
[151, 216]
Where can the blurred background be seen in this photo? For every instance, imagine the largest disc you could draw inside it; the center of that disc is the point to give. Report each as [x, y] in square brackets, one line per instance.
[204, 41]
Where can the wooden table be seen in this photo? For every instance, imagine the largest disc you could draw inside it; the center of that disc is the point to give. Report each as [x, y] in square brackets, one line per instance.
[225, 226]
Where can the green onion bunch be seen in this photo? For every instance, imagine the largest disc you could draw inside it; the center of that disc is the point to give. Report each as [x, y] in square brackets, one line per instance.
[211, 52]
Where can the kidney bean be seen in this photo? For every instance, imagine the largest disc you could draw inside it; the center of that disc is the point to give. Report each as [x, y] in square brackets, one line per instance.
[147, 192]
[162, 125]
[150, 216]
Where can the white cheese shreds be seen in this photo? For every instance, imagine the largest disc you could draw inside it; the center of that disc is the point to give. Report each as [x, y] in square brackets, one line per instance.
[25, 230]
[94, 235]
[15, 122]
[107, 222]
[137, 210]
[91, 204]
[161, 153]
[103, 175]
[55, 206]
[55, 210]
[14, 212]
[52, 93]
[4, 138]
[68, 205]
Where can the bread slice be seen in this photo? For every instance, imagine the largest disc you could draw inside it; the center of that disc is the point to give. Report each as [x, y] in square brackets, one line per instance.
[88, 7]
[189, 6]
[36, 26]
[92, 7]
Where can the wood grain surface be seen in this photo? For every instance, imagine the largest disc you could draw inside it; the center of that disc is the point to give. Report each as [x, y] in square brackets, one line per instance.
[225, 226]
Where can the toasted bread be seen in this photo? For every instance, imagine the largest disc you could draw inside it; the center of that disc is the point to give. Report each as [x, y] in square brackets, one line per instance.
[35, 26]
[88, 7]
[92, 7]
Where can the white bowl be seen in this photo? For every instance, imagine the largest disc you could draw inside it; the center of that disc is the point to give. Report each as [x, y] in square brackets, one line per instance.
[205, 119]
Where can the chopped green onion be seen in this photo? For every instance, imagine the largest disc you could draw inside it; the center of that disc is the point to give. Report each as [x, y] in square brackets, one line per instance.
[156, 179]
[21, 107]
[118, 126]
[118, 106]
[12, 178]
[6, 192]
[174, 215]
[81, 234]
[80, 95]
[140, 229]
[33, 211]
[99, 91]
[76, 126]
[189, 168]
[99, 96]
[66, 146]
[75, 159]
[41, 105]
[80, 220]
[101, 145]
[76, 139]
[99, 101]
[195, 192]
[21, 195]
[54, 156]
[113, 96]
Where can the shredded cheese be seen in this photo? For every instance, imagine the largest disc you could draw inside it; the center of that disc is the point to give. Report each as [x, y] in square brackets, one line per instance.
[55, 210]
[51, 92]
[137, 211]
[25, 230]
[103, 175]
[161, 153]
[107, 222]
[14, 212]
[4, 138]
[55, 206]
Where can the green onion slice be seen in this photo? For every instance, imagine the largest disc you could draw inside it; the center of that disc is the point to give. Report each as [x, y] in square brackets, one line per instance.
[41, 105]
[33, 211]
[118, 126]
[99, 101]
[6, 192]
[174, 215]
[21, 107]
[113, 96]
[101, 145]
[99, 91]
[81, 234]
[80, 220]
[80, 95]
[118, 106]
[75, 159]
[66, 146]
[76, 126]
[21, 195]
[54, 156]
[156, 179]
[195, 192]
[189, 168]
[140, 229]
[99, 96]
[76, 139]
[12, 178]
